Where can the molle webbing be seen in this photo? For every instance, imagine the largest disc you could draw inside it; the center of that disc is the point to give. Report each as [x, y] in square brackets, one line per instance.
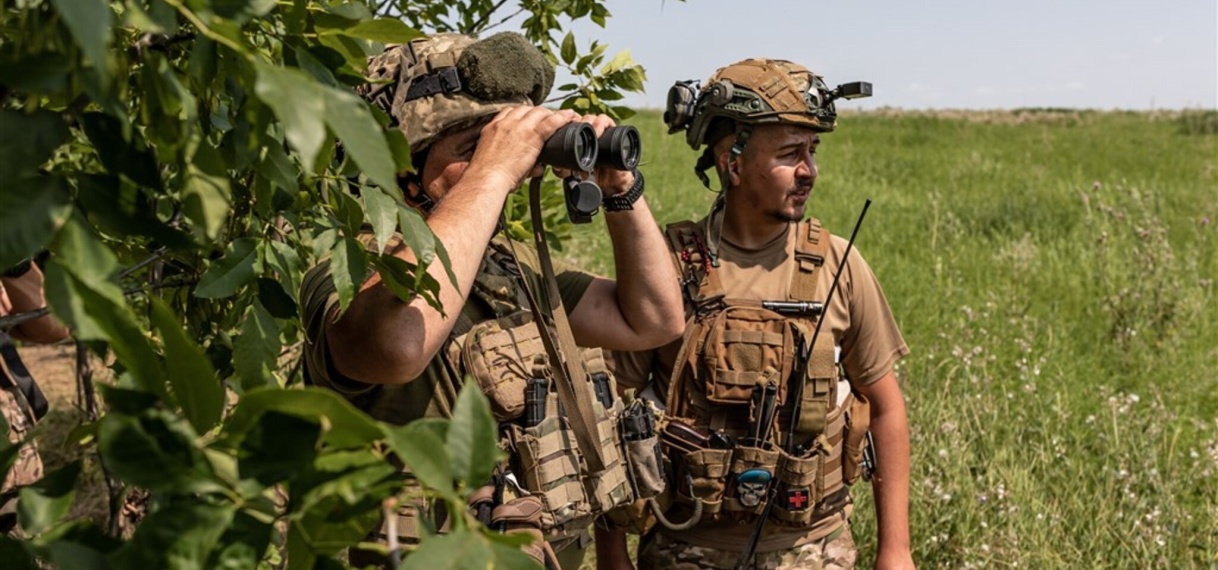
[727, 338]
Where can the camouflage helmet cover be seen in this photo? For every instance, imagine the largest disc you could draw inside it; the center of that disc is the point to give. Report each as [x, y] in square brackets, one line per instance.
[468, 79]
[757, 91]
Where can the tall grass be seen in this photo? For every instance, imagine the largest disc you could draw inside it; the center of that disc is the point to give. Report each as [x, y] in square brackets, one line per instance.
[1054, 273]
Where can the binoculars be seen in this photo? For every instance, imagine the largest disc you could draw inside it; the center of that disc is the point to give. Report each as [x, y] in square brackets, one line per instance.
[575, 147]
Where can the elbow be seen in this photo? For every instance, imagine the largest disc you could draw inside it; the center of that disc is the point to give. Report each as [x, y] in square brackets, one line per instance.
[670, 330]
[375, 359]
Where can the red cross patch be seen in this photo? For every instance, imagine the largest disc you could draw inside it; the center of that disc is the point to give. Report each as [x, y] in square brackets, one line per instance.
[797, 499]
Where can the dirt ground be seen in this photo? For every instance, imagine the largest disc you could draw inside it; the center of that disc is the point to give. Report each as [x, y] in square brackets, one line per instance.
[54, 369]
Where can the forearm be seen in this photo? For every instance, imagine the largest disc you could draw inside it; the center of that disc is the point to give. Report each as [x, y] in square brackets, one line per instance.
[647, 289]
[890, 430]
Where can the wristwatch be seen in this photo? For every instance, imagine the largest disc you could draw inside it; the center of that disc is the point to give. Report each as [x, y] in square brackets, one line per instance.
[625, 201]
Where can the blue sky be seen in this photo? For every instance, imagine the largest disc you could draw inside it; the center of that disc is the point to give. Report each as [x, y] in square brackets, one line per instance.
[997, 54]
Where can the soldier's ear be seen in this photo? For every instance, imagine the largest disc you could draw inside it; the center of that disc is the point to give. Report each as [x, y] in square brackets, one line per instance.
[733, 168]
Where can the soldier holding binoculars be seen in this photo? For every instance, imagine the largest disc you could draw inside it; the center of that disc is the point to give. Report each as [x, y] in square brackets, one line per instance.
[469, 111]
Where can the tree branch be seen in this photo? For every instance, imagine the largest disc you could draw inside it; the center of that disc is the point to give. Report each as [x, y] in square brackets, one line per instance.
[474, 29]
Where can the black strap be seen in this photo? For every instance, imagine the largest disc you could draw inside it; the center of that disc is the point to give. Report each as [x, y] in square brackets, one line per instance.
[442, 80]
[35, 404]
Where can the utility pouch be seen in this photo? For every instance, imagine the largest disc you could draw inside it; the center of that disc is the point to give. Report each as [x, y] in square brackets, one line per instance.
[744, 497]
[549, 464]
[797, 489]
[500, 355]
[745, 346]
[858, 421]
[708, 471]
[637, 424]
[609, 488]
[527, 515]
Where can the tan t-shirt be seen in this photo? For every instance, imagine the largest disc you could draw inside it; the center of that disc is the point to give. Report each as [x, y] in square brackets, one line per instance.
[434, 392]
[858, 317]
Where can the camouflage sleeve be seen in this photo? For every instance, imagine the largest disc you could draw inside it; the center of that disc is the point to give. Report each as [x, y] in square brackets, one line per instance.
[872, 343]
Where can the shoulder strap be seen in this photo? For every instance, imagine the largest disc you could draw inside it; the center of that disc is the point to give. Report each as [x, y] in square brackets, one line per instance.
[566, 362]
[811, 248]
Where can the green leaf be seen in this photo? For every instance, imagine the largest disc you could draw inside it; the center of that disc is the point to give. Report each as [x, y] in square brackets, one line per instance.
[400, 147]
[156, 450]
[177, 536]
[190, 373]
[381, 211]
[89, 21]
[472, 437]
[422, 449]
[278, 446]
[31, 211]
[299, 103]
[206, 200]
[345, 426]
[417, 234]
[87, 258]
[383, 30]
[348, 266]
[285, 262]
[123, 209]
[16, 555]
[236, 269]
[462, 549]
[349, 117]
[48, 500]
[122, 150]
[278, 303]
[45, 73]
[27, 140]
[256, 349]
[241, 11]
[568, 49]
[243, 544]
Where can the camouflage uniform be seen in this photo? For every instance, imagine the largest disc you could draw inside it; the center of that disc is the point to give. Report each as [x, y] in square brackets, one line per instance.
[28, 467]
[834, 552]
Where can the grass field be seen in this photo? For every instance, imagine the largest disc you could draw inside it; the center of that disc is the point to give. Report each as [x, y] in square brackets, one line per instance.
[1054, 274]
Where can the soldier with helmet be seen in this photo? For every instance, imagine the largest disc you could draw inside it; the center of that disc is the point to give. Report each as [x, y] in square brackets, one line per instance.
[470, 110]
[769, 411]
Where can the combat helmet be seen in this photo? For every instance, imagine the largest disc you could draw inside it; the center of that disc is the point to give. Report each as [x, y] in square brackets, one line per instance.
[448, 81]
[752, 92]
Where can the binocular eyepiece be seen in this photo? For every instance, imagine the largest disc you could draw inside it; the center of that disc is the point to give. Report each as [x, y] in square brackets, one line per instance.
[575, 147]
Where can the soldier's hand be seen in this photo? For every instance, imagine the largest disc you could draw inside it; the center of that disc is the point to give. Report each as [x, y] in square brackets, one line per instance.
[610, 180]
[510, 144]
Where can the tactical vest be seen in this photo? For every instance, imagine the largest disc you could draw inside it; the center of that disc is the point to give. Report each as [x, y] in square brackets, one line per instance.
[734, 382]
[548, 487]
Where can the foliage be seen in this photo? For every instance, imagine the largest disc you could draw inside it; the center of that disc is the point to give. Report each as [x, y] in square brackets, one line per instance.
[179, 159]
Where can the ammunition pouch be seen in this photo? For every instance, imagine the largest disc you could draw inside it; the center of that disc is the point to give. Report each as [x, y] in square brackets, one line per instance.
[858, 421]
[743, 346]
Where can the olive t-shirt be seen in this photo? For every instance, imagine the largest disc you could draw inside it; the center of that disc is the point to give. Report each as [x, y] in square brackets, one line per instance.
[858, 317]
[434, 392]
